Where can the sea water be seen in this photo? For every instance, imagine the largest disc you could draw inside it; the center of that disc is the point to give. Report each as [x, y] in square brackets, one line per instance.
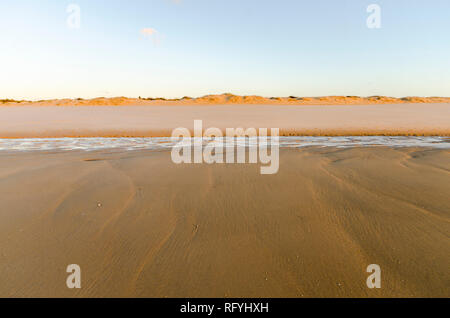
[162, 143]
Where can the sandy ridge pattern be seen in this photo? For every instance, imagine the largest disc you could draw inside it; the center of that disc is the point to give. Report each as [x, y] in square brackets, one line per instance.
[139, 225]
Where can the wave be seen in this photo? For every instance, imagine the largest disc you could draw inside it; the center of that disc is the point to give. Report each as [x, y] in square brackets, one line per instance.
[161, 143]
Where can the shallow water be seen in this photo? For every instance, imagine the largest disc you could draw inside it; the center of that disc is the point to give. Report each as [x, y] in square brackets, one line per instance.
[161, 143]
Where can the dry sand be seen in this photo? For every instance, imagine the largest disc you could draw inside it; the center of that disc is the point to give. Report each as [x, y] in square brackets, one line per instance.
[139, 225]
[137, 121]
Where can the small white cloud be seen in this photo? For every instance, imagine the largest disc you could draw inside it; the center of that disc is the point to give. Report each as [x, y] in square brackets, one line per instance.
[148, 32]
[152, 34]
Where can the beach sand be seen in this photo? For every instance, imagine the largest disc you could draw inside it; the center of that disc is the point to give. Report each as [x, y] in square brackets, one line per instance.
[149, 121]
[139, 225]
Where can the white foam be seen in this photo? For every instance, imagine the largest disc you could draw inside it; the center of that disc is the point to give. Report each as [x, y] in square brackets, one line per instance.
[161, 143]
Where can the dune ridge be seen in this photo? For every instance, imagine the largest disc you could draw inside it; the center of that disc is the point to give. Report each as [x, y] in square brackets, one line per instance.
[227, 98]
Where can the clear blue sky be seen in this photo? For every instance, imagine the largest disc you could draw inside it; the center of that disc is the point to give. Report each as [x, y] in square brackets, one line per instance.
[264, 47]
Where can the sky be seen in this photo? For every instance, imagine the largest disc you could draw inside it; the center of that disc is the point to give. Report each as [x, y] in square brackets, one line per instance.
[176, 48]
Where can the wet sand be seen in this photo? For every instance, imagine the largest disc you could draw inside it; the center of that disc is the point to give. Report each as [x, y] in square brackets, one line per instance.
[139, 225]
[300, 120]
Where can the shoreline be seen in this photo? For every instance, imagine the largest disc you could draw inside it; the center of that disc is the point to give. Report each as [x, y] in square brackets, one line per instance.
[167, 144]
[297, 133]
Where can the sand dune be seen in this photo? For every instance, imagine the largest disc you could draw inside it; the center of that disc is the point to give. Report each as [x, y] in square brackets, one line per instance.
[139, 225]
[225, 99]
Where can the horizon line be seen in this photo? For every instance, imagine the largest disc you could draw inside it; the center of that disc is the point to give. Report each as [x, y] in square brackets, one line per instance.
[187, 97]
